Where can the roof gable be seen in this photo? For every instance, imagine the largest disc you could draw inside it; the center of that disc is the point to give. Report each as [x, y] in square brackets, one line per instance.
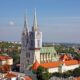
[65, 57]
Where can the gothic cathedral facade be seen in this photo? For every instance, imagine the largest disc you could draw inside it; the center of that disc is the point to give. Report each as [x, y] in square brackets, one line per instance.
[31, 44]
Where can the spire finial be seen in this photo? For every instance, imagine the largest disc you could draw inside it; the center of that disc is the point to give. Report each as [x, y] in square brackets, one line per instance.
[35, 24]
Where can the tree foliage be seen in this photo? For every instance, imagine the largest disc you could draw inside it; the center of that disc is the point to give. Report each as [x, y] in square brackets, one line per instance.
[63, 49]
[42, 73]
[74, 73]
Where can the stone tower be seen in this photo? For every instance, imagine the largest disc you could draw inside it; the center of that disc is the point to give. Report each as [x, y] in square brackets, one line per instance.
[24, 45]
[31, 45]
[35, 40]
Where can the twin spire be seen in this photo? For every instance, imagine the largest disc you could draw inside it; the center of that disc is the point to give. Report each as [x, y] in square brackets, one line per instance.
[35, 25]
[25, 24]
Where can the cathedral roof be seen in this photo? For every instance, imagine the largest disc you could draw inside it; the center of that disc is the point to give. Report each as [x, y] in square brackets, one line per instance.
[47, 50]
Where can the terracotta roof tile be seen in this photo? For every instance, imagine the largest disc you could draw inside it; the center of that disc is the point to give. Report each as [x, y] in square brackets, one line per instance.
[10, 75]
[58, 63]
[65, 57]
[35, 65]
[4, 58]
[51, 64]
[4, 68]
[76, 78]
[71, 62]
[27, 78]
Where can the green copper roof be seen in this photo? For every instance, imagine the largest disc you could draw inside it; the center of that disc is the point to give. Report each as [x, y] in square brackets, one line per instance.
[47, 50]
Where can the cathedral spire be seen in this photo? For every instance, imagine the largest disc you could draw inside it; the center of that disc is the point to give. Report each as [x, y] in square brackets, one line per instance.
[25, 29]
[35, 24]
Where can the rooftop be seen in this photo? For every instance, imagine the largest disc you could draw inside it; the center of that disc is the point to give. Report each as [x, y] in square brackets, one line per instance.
[55, 64]
[47, 50]
[2, 57]
[58, 63]
[10, 75]
[65, 57]
[35, 65]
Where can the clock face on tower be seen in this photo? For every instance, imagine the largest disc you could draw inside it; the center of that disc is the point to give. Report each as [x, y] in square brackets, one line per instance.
[38, 35]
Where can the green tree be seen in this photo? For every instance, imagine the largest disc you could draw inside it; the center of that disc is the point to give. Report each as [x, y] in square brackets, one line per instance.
[16, 58]
[76, 72]
[59, 48]
[57, 74]
[42, 73]
[67, 74]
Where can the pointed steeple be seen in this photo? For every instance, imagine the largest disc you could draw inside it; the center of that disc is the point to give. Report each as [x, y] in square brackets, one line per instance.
[25, 29]
[35, 24]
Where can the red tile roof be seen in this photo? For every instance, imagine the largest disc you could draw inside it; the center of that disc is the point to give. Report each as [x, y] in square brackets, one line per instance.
[65, 57]
[4, 68]
[4, 57]
[10, 75]
[35, 65]
[76, 78]
[51, 64]
[71, 62]
[58, 63]
[27, 78]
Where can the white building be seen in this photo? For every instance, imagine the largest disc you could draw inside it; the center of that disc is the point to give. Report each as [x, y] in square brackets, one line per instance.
[63, 65]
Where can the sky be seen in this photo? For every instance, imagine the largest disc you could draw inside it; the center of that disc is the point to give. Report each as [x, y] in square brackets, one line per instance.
[59, 20]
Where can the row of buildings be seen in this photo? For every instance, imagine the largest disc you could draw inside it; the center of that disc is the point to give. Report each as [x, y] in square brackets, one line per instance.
[6, 73]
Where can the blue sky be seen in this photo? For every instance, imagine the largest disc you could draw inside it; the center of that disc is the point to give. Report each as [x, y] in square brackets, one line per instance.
[59, 20]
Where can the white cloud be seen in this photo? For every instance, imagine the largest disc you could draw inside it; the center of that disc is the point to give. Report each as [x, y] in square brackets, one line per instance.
[12, 23]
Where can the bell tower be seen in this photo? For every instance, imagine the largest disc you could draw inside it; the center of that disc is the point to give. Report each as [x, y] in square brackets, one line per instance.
[31, 45]
[24, 46]
[35, 40]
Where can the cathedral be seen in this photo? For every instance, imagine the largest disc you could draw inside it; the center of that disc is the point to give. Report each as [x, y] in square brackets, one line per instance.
[33, 54]
[32, 49]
